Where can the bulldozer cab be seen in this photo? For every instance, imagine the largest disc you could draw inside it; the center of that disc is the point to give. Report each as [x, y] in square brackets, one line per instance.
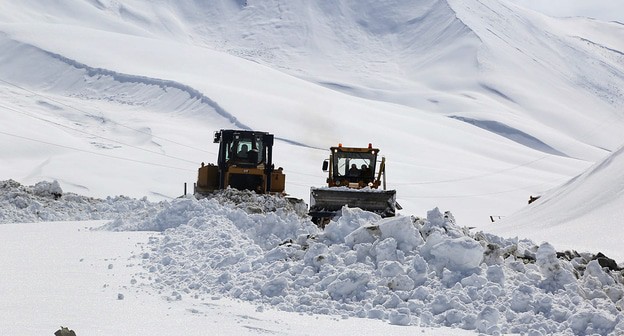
[244, 148]
[352, 167]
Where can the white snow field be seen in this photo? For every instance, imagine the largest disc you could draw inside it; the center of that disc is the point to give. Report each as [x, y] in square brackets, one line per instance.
[476, 105]
[205, 260]
[597, 196]
[605, 10]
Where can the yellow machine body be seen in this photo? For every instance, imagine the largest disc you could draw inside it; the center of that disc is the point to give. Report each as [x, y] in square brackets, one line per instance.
[354, 179]
[244, 162]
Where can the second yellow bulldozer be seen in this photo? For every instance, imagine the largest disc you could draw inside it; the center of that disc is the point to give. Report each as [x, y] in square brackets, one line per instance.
[354, 179]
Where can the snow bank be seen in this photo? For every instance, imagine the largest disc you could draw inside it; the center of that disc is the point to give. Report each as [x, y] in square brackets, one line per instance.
[46, 201]
[408, 271]
[405, 270]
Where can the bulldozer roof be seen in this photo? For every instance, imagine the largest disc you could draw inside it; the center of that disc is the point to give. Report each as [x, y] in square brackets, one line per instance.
[368, 149]
[229, 134]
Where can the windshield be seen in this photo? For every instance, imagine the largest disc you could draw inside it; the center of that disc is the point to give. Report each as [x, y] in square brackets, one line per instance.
[351, 164]
[246, 148]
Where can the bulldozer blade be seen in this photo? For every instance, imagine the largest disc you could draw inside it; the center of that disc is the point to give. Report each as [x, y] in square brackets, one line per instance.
[324, 202]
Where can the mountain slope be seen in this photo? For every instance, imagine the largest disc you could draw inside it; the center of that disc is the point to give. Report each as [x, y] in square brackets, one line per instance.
[582, 214]
[580, 69]
[150, 81]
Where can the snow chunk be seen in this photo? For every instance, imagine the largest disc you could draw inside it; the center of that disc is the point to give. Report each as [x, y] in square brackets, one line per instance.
[350, 220]
[48, 189]
[347, 284]
[455, 254]
[275, 287]
[402, 230]
[555, 275]
[400, 317]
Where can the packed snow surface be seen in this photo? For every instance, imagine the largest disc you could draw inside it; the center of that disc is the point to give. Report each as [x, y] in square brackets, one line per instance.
[405, 270]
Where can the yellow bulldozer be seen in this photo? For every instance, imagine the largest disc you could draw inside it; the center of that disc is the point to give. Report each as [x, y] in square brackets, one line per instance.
[354, 179]
[244, 162]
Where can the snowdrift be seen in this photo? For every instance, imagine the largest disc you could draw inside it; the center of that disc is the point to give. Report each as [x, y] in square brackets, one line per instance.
[46, 201]
[406, 270]
[586, 209]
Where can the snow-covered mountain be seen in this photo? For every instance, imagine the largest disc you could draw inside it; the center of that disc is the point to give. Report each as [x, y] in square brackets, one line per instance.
[150, 81]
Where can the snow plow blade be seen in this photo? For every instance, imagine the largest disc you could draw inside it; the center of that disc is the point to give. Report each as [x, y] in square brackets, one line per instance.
[326, 202]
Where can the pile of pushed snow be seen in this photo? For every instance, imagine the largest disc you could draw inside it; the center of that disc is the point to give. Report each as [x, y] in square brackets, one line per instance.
[46, 201]
[408, 271]
[242, 206]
